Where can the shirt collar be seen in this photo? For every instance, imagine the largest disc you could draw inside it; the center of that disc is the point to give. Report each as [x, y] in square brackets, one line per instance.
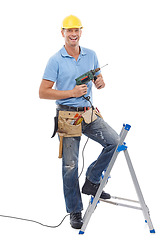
[65, 54]
[83, 52]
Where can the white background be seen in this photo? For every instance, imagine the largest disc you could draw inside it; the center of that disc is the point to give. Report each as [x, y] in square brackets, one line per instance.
[124, 34]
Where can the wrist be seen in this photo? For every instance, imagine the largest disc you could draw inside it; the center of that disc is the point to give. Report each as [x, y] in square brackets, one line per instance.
[72, 93]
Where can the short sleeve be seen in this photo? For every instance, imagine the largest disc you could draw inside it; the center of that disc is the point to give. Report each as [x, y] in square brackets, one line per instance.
[96, 63]
[51, 70]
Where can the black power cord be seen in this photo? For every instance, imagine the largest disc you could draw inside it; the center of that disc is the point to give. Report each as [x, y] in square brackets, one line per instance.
[45, 225]
[33, 221]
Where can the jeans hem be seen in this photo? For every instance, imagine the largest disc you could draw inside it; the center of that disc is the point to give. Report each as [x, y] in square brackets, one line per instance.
[75, 211]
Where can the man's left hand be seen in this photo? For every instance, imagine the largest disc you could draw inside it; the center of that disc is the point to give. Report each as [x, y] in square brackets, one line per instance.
[99, 82]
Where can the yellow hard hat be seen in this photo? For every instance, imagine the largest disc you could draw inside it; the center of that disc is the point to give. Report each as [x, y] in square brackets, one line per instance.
[71, 22]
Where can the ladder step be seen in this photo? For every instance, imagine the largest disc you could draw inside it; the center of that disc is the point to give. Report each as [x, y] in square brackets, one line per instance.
[121, 148]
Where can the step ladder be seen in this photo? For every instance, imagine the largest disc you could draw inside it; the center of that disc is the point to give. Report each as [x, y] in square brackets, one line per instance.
[95, 200]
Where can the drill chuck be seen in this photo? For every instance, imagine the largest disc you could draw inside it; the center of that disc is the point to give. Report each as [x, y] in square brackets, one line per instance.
[97, 69]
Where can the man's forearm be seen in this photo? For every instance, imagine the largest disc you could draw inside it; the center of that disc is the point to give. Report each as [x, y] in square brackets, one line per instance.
[54, 94]
[47, 92]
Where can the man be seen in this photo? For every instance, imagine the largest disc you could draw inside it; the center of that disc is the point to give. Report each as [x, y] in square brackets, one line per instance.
[61, 71]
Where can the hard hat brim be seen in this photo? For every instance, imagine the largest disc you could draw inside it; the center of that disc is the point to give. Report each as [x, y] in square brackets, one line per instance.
[72, 27]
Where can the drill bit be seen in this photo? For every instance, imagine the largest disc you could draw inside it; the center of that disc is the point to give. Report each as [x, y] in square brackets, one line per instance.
[104, 65]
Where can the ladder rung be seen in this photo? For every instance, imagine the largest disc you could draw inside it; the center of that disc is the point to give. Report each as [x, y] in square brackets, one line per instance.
[125, 199]
[120, 204]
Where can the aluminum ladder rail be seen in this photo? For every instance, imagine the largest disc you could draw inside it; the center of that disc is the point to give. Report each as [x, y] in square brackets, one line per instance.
[93, 203]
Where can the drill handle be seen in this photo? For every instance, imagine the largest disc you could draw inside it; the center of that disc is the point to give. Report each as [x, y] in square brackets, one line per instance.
[95, 77]
[95, 70]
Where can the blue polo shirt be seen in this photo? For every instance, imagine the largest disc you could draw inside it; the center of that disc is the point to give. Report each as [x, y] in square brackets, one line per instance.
[63, 69]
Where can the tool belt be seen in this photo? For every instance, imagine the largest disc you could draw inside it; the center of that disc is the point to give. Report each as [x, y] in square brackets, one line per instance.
[64, 123]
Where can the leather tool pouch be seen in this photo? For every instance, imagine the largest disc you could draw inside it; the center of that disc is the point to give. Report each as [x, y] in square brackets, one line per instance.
[89, 116]
[66, 129]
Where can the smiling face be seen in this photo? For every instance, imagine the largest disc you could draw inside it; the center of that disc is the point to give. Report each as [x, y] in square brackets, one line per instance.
[72, 36]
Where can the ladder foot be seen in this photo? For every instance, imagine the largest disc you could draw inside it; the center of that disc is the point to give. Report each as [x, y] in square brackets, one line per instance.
[127, 127]
[81, 232]
[152, 231]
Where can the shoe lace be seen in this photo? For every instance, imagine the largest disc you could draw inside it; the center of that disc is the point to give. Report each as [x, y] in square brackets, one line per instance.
[77, 215]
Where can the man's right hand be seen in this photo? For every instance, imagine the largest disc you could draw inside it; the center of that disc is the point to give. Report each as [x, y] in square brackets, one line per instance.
[79, 90]
[46, 91]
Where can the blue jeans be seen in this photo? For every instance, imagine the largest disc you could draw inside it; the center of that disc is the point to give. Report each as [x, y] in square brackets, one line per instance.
[100, 132]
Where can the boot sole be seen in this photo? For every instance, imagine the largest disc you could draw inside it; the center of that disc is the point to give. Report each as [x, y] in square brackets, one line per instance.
[88, 193]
